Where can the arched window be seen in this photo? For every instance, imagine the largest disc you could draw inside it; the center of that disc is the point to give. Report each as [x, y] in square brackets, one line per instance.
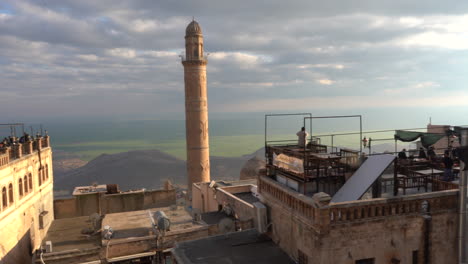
[30, 181]
[25, 181]
[20, 187]
[4, 198]
[39, 176]
[43, 174]
[10, 193]
[47, 171]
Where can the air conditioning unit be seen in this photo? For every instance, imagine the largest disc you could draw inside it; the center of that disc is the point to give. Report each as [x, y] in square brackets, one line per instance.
[262, 218]
[48, 247]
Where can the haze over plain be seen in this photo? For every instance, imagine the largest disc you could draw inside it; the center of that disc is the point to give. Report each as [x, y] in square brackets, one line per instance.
[118, 60]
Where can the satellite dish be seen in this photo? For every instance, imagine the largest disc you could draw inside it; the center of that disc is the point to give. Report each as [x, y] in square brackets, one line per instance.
[226, 225]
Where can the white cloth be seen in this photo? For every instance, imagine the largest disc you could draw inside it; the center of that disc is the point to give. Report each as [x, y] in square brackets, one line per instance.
[302, 138]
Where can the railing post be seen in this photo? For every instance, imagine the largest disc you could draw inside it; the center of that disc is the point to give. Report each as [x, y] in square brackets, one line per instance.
[322, 217]
[47, 141]
[38, 143]
[28, 148]
[17, 150]
[395, 177]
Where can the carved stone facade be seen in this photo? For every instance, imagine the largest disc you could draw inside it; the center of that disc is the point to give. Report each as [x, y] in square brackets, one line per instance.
[26, 204]
[196, 107]
[412, 229]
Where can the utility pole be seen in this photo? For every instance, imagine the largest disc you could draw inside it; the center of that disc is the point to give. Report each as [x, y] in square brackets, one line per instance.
[462, 237]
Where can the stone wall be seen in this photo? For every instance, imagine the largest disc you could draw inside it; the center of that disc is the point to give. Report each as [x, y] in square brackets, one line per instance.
[84, 205]
[384, 229]
[65, 208]
[203, 198]
[243, 210]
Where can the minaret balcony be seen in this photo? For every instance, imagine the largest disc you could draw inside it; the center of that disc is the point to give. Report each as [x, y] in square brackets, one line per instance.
[183, 58]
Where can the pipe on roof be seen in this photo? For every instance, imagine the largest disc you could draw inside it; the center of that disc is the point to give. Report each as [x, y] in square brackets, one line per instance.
[462, 245]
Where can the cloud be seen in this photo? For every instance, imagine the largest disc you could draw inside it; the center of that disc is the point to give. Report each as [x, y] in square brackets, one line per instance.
[347, 102]
[413, 90]
[123, 53]
[325, 82]
[314, 53]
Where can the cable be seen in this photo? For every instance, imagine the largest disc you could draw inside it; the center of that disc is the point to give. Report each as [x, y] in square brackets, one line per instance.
[42, 252]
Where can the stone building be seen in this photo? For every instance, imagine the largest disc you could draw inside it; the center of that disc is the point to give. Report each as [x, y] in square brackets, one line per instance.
[26, 204]
[405, 212]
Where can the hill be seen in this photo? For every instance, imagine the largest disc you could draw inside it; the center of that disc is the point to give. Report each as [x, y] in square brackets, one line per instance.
[142, 169]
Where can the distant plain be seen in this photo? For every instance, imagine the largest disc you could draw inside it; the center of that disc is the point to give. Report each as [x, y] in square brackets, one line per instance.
[228, 138]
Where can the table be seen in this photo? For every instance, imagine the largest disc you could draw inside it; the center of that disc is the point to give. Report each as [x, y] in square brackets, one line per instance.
[429, 172]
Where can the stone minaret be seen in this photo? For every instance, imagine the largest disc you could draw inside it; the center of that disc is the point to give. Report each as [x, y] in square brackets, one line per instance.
[196, 107]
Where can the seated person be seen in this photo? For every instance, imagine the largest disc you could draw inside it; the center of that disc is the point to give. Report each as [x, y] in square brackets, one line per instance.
[431, 153]
[402, 154]
[448, 164]
[422, 153]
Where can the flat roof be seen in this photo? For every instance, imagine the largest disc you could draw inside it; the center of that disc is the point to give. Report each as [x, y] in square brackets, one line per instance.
[213, 218]
[65, 234]
[139, 224]
[233, 248]
[247, 197]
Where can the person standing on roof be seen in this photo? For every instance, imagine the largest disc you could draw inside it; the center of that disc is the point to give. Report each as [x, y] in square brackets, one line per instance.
[302, 137]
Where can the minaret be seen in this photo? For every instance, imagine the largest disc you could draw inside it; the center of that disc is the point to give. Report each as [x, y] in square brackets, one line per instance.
[196, 107]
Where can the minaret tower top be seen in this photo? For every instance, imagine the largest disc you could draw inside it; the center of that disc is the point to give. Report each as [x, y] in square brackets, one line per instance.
[193, 42]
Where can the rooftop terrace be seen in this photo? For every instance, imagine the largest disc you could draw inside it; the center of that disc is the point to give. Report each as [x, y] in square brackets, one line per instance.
[317, 167]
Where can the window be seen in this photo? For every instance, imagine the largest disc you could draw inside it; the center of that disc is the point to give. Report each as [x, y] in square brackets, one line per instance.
[302, 258]
[4, 198]
[39, 176]
[20, 187]
[42, 220]
[415, 257]
[10, 193]
[366, 261]
[30, 181]
[25, 184]
[47, 171]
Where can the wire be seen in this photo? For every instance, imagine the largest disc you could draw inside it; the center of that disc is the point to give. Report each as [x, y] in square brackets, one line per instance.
[42, 252]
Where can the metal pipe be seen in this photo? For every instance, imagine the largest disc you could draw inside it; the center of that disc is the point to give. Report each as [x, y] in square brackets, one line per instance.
[331, 143]
[360, 133]
[427, 238]
[462, 238]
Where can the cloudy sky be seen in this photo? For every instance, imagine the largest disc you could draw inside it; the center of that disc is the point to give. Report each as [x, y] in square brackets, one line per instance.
[119, 59]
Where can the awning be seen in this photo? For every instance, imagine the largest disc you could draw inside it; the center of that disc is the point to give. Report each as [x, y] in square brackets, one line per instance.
[427, 139]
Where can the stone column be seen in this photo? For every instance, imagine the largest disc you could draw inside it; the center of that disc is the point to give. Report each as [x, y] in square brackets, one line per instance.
[196, 107]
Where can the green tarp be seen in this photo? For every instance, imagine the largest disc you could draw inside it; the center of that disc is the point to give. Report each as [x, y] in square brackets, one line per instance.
[427, 139]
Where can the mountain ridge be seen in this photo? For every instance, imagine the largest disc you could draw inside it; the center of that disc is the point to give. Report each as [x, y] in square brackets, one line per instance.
[148, 169]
